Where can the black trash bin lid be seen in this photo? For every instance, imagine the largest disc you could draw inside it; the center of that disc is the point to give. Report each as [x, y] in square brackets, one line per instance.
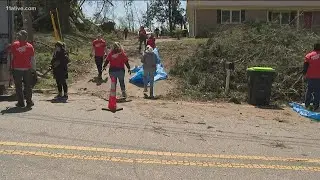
[261, 69]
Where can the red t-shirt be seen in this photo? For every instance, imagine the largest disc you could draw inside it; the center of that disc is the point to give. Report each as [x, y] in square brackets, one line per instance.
[99, 47]
[22, 53]
[313, 58]
[117, 60]
[151, 42]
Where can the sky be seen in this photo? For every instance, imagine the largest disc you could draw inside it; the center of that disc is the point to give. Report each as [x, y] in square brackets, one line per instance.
[118, 11]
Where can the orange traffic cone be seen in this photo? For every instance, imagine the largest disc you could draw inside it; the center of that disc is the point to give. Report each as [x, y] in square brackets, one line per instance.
[112, 106]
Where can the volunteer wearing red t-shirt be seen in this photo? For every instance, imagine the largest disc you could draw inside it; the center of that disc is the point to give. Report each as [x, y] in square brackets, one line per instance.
[117, 60]
[99, 50]
[23, 65]
[151, 41]
[311, 71]
[142, 38]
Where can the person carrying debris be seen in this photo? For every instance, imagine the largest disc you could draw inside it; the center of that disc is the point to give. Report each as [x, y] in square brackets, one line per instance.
[23, 66]
[311, 71]
[149, 62]
[117, 60]
[142, 38]
[125, 32]
[59, 65]
[98, 51]
[151, 41]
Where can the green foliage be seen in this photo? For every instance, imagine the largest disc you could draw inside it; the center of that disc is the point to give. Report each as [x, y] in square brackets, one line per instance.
[160, 11]
[282, 48]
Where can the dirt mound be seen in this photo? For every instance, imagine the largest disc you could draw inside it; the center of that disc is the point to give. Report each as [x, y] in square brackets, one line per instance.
[282, 48]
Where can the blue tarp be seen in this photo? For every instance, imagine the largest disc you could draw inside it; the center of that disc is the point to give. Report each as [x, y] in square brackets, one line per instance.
[160, 73]
[304, 112]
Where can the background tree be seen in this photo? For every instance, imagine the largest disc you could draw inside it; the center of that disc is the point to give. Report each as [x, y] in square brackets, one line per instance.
[70, 11]
[147, 17]
[166, 11]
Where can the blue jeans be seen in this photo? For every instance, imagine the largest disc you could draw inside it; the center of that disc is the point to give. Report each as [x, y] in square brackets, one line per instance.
[313, 89]
[119, 75]
[148, 75]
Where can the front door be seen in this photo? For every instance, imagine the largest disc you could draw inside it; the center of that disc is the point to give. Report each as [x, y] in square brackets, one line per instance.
[307, 19]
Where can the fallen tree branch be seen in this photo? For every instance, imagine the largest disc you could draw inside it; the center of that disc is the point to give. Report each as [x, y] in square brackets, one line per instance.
[296, 81]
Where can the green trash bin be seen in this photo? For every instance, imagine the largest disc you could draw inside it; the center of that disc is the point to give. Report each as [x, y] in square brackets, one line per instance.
[260, 81]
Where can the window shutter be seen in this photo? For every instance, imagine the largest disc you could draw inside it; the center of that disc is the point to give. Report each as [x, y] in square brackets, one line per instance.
[219, 16]
[269, 16]
[293, 16]
[243, 15]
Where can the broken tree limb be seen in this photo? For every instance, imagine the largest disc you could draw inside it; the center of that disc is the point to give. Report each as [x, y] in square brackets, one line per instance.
[39, 18]
[296, 81]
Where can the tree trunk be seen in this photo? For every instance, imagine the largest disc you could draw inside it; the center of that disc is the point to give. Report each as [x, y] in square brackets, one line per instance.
[27, 20]
[132, 18]
[64, 10]
[170, 15]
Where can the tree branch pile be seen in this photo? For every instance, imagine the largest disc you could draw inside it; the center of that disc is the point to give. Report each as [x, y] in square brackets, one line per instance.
[282, 48]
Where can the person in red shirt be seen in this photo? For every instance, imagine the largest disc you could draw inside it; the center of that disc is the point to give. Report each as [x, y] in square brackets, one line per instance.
[99, 50]
[117, 60]
[142, 38]
[311, 71]
[23, 66]
[151, 41]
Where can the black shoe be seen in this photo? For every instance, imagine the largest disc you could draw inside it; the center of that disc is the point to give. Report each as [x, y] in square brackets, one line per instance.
[58, 97]
[65, 97]
[30, 104]
[20, 105]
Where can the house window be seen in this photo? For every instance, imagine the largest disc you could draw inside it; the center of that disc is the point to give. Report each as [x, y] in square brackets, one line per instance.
[230, 17]
[281, 17]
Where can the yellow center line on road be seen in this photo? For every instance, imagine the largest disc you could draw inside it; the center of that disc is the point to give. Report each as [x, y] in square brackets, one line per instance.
[158, 153]
[157, 161]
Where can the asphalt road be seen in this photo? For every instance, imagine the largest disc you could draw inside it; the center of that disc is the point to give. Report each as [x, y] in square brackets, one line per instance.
[153, 140]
